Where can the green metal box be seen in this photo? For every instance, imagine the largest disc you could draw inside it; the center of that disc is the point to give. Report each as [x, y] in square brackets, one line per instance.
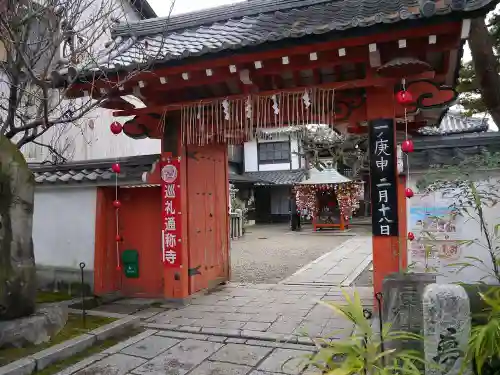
[130, 261]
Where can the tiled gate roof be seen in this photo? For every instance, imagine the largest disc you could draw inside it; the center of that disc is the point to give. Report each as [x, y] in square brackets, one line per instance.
[255, 22]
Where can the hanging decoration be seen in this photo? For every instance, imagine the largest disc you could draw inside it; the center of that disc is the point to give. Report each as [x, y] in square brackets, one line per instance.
[116, 168]
[237, 120]
[347, 197]
[117, 204]
[409, 193]
[404, 98]
[407, 146]
[116, 128]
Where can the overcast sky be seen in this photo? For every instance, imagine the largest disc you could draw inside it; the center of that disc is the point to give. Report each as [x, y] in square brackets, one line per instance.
[162, 7]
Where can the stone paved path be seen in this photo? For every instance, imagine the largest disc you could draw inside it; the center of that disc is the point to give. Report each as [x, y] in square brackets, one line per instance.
[241, 329]
[339, 267]
[167, 353]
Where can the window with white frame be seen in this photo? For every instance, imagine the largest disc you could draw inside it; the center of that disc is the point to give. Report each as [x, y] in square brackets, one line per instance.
[274, 152]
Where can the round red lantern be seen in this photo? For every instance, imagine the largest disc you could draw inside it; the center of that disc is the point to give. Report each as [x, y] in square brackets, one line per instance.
[116, 128]
[117, 204]
[118, 238]
[411, 236]
[116, 168]
[407, 146]
[404, 98]
[409, 193]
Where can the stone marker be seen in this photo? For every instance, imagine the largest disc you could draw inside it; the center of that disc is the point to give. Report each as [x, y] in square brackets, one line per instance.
[447, 326]
[402, 306]
[17, 262]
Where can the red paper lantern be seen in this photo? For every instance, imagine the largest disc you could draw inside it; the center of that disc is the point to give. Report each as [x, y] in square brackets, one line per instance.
[409, 193]
[118, 238]
[117, 204]
[116, 128]
[407, 146]
[411, 236]
[404, 98]
[116, 168]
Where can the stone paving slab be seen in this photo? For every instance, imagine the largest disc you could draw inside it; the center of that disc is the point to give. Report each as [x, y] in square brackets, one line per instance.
[338, 267]
[263, 312]
[158, 354]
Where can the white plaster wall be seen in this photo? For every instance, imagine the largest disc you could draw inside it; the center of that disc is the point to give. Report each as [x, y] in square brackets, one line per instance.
[466, 229]
[250, 156]
[64, 226]
[252, 159]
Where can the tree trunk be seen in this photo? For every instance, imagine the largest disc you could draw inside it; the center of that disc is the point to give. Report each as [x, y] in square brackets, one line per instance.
[17, 261]
[486, 67]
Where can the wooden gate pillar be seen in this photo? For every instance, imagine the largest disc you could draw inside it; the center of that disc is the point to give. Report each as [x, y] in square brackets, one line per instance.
[387, 189]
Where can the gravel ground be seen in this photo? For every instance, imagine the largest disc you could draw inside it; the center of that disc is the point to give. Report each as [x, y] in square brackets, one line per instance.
[268, 254]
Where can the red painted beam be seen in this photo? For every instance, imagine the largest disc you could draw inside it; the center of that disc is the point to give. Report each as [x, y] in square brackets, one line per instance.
[360, 83]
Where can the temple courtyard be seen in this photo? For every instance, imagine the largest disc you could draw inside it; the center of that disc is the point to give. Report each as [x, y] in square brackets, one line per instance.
[261, 323]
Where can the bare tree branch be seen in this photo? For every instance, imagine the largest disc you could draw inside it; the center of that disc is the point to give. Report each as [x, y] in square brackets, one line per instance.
[42, 38]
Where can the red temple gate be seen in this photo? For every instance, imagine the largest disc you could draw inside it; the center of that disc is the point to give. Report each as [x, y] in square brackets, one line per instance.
[216, 77]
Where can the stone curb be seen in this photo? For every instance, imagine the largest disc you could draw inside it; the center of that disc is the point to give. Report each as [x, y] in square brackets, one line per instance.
[66, 349]
[198, 332]
[349, 280]
[99, 313]
[296, 343]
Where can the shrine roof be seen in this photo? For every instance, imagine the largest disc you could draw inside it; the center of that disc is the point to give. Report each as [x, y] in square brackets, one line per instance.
[456, 123]
[253, 23]
[325, 176]
[283, 178]
[451, 149]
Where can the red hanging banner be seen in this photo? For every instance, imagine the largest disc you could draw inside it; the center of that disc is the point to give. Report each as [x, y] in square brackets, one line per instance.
[171, 204]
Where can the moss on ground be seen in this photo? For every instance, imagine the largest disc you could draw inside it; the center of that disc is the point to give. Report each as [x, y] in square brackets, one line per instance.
[74, 327]
[50, 297]
[97, 348]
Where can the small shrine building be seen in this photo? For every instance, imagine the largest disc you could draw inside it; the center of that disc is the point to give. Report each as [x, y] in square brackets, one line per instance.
[328, 197]
[215, 77]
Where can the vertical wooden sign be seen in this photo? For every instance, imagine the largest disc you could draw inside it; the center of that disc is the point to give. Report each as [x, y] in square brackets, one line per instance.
[171, 204]
[383, 178]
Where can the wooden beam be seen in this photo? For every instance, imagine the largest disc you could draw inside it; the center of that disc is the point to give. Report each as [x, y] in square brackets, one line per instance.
[360, 83]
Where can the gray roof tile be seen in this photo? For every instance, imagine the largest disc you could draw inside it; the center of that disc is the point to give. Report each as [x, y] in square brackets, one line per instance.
[277, 177]
[456, 123]
[94, 171]
[252, 23]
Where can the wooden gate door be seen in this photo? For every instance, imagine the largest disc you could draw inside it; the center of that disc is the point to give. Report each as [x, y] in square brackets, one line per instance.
[140, 223]
[208, 216]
